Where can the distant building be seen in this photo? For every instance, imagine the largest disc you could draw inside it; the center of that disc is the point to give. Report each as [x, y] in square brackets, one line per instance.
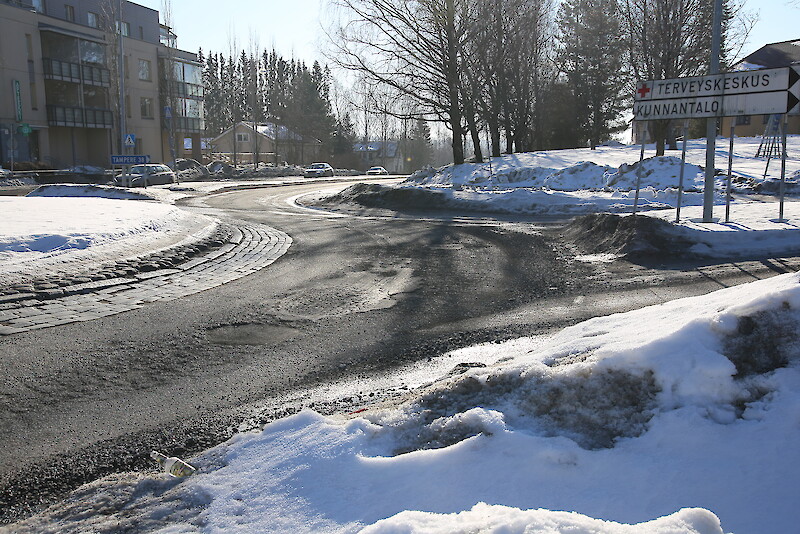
[384, 153]
[60, 99]
[265, 143]
[773, 55]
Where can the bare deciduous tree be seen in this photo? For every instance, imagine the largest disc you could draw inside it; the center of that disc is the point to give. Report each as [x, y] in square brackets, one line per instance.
[414, 47]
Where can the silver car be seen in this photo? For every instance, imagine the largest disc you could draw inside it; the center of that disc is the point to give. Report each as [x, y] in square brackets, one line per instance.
[315, 170]
[149, 174]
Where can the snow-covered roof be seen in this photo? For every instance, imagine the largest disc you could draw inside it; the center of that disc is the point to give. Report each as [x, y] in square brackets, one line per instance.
[277, 131]
[269, 129]
[772, 55]
[389, 148]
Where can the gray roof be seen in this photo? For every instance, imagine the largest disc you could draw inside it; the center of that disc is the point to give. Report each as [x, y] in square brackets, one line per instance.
[775, 55]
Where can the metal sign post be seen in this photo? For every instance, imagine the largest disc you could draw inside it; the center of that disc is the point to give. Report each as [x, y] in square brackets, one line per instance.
[728, 186]
[683, 170]
[784, 126]
[753, 92]
[643, 132]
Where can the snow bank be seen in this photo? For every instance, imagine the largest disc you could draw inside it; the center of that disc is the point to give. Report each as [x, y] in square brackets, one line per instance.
[587, 178]
[657, 420]
[85, 191]
[52, 235]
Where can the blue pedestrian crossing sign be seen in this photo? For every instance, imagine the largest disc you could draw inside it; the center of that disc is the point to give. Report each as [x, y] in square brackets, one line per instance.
[130, 140]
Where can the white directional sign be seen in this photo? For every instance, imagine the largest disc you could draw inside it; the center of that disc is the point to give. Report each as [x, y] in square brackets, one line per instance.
[755, 92]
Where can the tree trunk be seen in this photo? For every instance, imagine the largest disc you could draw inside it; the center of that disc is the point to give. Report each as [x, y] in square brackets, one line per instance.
[453, 83]
[494, 134]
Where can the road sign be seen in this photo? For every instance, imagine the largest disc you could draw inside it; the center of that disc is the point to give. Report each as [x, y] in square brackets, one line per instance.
[130, 140]
[713, 106]
[754, 92]
[167, 112]
[25, 129]
[731, 83]
[17, 100]
[129, 160]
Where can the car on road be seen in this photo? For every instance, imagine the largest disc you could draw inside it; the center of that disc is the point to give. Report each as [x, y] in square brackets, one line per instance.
[377, 170]
[315, 170]
[149, 174]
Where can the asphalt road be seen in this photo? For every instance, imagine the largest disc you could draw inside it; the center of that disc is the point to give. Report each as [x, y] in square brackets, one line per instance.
[358, 294]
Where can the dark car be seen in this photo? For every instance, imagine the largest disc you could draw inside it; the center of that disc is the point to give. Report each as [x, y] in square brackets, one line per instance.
[149, 174]
[315, 170]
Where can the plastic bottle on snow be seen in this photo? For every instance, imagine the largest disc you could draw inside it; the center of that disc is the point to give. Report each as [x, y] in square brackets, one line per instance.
[172, 465]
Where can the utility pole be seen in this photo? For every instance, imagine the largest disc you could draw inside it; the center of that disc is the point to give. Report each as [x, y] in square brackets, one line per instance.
[711, 123]
[121, 69]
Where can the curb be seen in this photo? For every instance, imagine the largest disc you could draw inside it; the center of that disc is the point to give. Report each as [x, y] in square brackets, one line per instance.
[247, 249]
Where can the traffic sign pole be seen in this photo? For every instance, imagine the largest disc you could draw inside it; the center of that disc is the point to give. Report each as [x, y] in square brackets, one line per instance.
[730, 169]
[683, 169]
[784, 126]
[711, 124]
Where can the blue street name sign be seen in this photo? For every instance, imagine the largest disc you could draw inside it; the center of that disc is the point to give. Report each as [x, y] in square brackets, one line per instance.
[130, 160]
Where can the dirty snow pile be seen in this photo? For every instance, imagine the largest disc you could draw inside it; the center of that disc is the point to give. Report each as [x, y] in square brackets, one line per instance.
[583, 180]
[46, 235]
[677, 418]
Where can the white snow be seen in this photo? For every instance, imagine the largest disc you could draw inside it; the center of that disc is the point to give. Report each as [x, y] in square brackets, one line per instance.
[48, 235]
[605, 427]
[577, 181]
[677, 418]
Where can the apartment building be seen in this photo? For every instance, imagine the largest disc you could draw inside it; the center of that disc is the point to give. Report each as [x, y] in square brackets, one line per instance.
[62, 99]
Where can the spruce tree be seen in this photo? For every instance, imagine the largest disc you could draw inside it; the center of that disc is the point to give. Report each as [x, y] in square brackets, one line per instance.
[591, 41]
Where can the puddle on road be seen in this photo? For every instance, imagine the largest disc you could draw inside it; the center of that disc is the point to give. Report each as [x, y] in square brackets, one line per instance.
[251, 334]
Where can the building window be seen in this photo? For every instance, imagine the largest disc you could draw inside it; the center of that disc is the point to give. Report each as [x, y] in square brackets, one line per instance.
[125, 69]
[38, 5]
[93, 19]
[145, 71]
[147, 107]
[742, 120]
[124, 28]
[69, 12]
[141, 33]
[34, 97]
[242, 137]
[128, 106]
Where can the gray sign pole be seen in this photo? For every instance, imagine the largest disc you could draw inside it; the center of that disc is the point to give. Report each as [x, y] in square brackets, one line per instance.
[784, 126]
[643, 132]
[730, 171]
[711, 124]
[683, 169]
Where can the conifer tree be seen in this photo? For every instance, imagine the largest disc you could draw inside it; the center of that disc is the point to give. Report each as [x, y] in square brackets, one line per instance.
[591, 39]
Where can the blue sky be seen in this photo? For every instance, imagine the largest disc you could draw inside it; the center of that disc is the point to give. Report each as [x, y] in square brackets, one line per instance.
[293, 26]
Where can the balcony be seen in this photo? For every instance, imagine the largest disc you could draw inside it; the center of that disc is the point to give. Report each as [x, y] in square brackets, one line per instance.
[186, 90]
[55, 69]
[187, 124]
[79, 117]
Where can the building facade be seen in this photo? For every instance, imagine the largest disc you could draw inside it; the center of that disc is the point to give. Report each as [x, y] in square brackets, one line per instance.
[63, 102]
[265, 143]
[773, 55]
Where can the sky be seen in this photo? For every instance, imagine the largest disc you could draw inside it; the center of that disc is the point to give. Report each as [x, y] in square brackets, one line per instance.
[294, 27]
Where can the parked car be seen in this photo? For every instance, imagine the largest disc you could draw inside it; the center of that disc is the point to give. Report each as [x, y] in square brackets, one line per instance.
[5, 173]
[315, 170]
[377, 170]
[149, 174]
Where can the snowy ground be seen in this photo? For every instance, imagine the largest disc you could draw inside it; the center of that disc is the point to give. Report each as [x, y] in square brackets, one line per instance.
[60, 227]
[581, 180]
[692, 426]
[672, 429]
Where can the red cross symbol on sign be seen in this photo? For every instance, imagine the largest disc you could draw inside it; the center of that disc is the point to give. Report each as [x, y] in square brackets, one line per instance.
[643, 90]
